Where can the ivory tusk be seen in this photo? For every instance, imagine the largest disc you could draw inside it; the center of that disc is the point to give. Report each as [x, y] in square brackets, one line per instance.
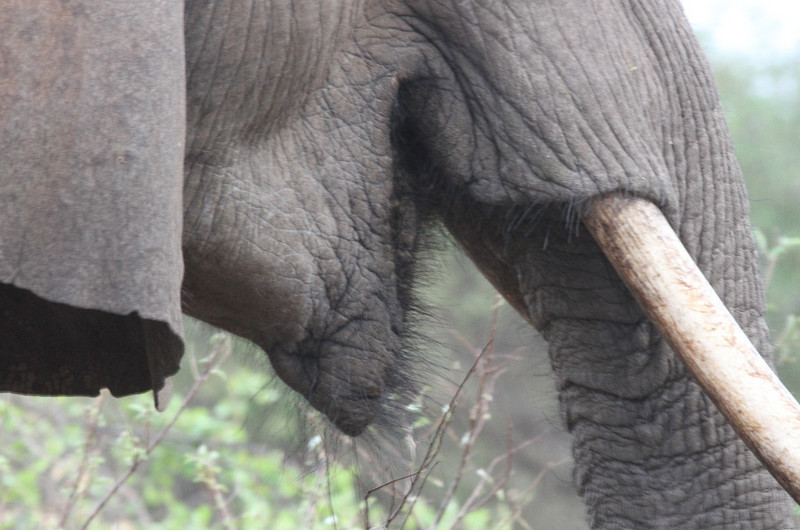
[675, 295]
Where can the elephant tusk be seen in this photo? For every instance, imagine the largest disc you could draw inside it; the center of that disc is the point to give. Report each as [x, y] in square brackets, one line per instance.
[678, 299]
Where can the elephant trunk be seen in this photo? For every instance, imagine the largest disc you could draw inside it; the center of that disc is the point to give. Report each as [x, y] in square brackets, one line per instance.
[643, 428]
[677, 298]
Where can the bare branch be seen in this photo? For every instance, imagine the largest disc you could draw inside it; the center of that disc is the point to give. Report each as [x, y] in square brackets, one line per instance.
[220, 352]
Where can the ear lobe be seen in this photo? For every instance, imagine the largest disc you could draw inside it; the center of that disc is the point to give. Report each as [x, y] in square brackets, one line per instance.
[92, 119]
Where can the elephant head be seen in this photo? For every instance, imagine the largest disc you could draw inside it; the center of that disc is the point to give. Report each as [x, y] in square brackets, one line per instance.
[277, 186]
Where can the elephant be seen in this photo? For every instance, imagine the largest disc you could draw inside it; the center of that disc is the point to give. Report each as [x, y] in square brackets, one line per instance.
[272, 167]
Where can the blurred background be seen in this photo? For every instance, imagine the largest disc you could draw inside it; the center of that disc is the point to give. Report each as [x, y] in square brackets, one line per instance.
[235, 450]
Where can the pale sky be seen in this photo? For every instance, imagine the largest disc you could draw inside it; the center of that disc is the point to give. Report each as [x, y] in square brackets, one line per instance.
[751, 27]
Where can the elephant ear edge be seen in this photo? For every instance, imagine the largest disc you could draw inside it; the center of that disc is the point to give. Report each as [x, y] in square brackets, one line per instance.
[92, 129]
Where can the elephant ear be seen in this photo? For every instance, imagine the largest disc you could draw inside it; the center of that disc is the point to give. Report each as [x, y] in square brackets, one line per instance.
[92, 128]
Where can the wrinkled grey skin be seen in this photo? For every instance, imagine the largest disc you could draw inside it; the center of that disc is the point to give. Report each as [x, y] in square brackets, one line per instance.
[320, 139]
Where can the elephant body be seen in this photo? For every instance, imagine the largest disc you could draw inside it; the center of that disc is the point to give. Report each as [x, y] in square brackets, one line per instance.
[278, 188]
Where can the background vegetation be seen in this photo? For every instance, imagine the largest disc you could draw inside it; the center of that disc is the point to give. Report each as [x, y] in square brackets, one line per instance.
[235, 451]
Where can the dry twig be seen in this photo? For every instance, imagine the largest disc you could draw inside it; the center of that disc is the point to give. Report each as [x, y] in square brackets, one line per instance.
[220, 352]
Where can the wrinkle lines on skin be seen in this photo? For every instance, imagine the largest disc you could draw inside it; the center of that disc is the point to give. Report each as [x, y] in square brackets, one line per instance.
[343, 237]
[589, 86]
[191, 70]
[219, 60]
[478, 106]
[250, 37]
[433, 36]
[483, 117]
[666, 448]
[241, 60]
[626, 73]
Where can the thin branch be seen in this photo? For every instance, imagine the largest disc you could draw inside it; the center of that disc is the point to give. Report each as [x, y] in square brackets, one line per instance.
[473, 502]
[476, 424]
[220, 352]
[515, 515]
[477, 418]
[419, 478]
[209, 479]
[92, 422]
